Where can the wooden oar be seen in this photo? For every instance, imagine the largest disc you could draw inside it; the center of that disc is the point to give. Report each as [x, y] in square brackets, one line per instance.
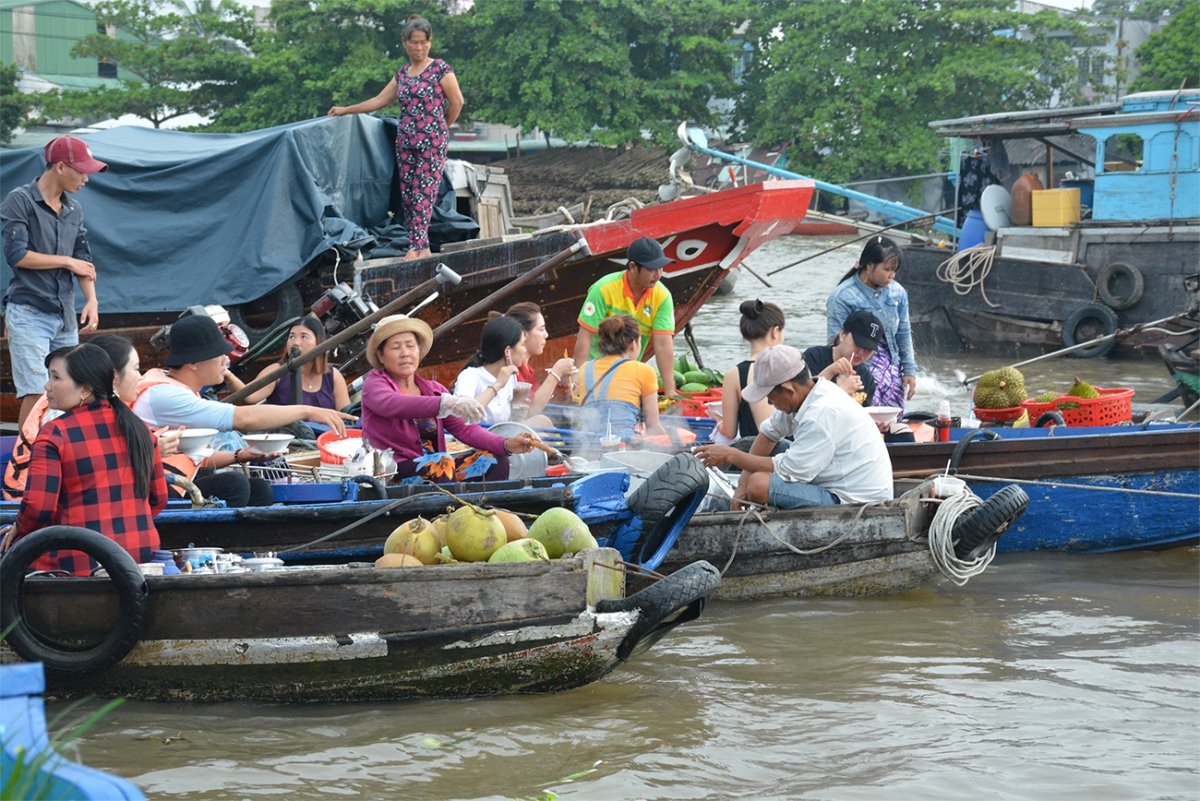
[443, 275]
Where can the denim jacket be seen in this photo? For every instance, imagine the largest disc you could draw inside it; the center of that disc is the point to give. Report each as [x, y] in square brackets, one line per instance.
[889, 304]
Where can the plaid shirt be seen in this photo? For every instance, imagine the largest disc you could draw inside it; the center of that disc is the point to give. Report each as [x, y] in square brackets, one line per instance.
[81, 476]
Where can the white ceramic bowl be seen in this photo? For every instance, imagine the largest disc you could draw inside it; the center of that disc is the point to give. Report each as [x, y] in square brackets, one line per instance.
[192, 440]
[268, 443]
[884, 414]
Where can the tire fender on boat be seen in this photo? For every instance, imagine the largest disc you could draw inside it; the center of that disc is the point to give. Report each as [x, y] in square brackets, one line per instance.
[974, 532]
[286, 299]
[665, 502]
[1050, 418]
[61, 659]
[663, 605]
[1093, 313]
[1127, 272]
[965, 440]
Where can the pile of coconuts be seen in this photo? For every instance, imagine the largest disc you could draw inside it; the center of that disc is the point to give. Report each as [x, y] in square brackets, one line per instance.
[473, 534]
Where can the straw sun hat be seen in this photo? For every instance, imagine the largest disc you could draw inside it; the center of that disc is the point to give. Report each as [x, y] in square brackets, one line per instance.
[398, 324]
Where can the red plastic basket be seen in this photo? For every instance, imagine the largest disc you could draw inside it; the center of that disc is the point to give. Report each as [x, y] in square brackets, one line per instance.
[1113, 406]
[691, 404]
[1000, 415]
[329, 457]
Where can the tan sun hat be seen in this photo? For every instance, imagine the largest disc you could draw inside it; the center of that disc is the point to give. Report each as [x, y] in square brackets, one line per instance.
[398, 324]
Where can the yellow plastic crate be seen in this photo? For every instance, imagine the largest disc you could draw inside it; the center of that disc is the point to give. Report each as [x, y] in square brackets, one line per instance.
[1053, 208]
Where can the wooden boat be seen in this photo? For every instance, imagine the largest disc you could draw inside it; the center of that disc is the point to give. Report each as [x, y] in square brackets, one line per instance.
[707, 236]
[1125, 266]
[337, 633]
[1091, 490]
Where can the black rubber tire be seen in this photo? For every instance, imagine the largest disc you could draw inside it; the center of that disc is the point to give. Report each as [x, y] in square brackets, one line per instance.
[1089, 322]
[665, 604]
[381, 493]
[974, 532]
[1127, 274]
[662, 498]
[61, 660]
[286, 299]
[1046, 418]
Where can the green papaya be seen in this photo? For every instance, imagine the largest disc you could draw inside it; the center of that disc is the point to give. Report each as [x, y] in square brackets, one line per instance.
[679, 379]
[695, 388]
[696, 377]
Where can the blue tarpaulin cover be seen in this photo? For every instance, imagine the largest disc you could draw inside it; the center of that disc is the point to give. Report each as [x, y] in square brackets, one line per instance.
[182, 218]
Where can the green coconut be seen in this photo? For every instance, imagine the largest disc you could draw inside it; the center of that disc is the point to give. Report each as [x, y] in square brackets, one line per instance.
[415, 538]
[522, 550]
[561, 531]
[473, 535]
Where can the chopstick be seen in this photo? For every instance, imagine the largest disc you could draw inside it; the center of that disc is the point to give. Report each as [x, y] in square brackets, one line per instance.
[544, 448]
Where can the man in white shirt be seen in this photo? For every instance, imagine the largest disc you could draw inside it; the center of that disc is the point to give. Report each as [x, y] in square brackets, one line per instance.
[837, 455]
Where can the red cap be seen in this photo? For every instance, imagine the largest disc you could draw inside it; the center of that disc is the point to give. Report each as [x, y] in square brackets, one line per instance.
[74, 153]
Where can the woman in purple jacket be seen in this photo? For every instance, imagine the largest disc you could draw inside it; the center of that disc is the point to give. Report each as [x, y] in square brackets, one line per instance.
[410, 415]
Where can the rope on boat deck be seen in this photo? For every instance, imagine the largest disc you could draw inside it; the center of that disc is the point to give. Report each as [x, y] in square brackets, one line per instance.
[630, 568]
[355, 524]
[754, 510]
[941, 540]
[961, 276]
[1163, 493]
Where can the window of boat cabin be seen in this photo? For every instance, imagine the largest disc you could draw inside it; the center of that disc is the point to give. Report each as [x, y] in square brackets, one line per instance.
[1123, 153]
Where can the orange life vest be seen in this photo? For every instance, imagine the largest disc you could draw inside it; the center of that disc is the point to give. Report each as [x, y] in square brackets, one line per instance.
[15, 475]
[179, 463]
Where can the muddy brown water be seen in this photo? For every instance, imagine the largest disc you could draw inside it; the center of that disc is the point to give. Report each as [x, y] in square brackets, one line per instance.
[1048, 677]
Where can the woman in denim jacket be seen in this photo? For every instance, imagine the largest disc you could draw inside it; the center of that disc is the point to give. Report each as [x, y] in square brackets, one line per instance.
[871, 286]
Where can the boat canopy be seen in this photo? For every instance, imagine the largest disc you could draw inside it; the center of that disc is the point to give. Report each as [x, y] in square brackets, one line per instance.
[185, 218]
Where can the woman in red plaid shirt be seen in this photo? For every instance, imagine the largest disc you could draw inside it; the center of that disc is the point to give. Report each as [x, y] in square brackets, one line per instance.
[95, 467]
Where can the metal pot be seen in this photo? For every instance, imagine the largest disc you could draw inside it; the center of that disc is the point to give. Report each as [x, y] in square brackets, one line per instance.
[196, 557]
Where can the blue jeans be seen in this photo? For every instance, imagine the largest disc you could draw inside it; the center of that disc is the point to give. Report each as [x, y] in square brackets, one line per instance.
[32, 334]
[795, 495]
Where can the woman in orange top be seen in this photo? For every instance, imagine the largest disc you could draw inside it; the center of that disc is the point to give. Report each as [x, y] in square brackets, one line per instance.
[617, 389]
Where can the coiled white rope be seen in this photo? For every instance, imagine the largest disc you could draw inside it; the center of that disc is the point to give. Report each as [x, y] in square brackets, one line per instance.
[941, 543]
[959, 270]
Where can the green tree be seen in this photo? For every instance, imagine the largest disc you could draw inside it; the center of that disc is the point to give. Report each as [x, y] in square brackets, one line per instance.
[331, 52]
[1138, 9]
[168, 70]
[13, 103]
[1171, 57]
[607, 70]
[853, 84]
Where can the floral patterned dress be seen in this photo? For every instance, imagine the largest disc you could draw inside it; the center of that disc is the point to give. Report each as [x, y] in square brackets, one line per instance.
[421, 143]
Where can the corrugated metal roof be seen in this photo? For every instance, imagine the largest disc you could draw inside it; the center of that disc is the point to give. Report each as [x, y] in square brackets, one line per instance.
[9, 4]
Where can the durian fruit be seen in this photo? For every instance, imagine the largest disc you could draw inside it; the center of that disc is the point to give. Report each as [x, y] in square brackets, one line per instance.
[1046, 397]
[1082, 389]
[1000, 389]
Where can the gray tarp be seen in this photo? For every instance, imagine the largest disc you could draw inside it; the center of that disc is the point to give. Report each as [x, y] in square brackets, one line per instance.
[183, 218]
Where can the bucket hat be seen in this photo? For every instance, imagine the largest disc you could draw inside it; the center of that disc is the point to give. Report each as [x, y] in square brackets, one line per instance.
[398, 324]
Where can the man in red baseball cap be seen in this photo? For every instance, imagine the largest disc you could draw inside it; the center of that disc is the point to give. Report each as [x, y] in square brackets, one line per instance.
[44, 242]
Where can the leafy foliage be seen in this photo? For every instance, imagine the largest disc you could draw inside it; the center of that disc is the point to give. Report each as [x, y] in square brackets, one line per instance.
[606, 70]
[1138, 9]
[13, 103]
[174, 71]
[853, 84]
[1171, 56]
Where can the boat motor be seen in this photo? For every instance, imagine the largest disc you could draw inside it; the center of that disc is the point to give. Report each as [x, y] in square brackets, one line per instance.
[233, 334]
[341, 307]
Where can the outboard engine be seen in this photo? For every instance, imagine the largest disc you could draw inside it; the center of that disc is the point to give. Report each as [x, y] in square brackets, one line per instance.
[341, 307]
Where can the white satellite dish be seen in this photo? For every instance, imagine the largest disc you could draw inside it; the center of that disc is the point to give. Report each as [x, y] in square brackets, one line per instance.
[996, 206]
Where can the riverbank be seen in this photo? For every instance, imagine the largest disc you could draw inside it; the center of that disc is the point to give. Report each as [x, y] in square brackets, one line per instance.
[541, 182]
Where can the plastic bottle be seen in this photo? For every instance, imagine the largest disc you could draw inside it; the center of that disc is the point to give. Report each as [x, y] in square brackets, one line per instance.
[943, 421]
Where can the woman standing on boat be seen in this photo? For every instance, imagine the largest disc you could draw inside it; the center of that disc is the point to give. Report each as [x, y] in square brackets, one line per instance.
[871, 286]
[411, 415]
[761, 326]
[430, 102]
[95, 467]
[323, 384]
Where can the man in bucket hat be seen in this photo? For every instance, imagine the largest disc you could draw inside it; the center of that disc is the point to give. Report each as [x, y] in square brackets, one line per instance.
[171, 397]
[837, 454]
[45, 244]
[637, 291]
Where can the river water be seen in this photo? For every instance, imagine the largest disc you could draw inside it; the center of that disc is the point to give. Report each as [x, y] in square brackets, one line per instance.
[1048, 677]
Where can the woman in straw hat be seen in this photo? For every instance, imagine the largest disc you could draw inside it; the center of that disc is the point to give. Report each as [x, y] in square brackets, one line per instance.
[410, 415]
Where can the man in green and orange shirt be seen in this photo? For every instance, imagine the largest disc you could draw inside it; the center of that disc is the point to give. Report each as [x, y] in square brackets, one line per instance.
[637, 291]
